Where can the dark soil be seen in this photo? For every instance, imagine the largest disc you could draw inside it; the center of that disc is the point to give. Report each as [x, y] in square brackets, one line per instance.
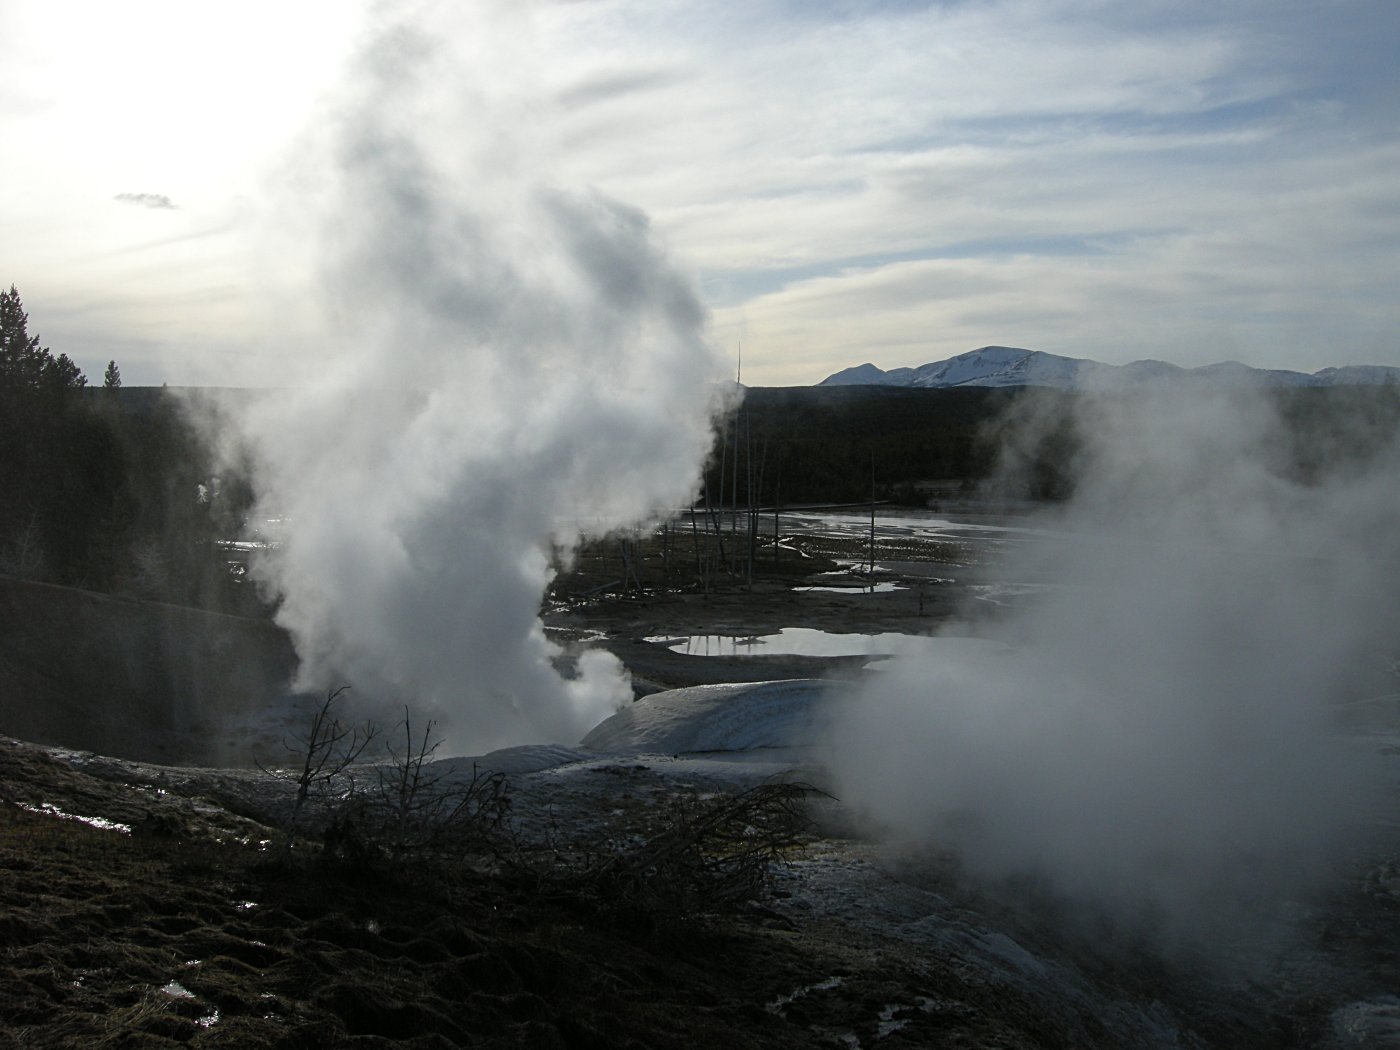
[191, 929]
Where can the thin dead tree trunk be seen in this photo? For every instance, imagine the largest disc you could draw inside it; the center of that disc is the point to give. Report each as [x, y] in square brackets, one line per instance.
[758, 488]
[777, 504]
[695, 539]
[734, 488]
[721, 557]
[719, 498]
[705, 571]
[734, 494]
[872, 518]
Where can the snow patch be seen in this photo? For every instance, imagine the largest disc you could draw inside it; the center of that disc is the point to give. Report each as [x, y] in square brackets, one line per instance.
[50, 810]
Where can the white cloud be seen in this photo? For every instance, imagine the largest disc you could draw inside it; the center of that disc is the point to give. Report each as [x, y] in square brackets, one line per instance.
[820, 138]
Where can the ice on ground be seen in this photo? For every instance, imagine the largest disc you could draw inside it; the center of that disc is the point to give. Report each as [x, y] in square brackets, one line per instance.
[50, 810]
[730, 717]
[856, 587]
[807, 641]
[732, 720]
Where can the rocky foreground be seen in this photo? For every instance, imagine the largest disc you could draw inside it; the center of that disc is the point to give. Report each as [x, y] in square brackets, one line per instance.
[145, 906]
[672, 884]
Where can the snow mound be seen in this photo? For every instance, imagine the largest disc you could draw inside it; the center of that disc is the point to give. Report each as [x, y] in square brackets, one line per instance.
[728, 717]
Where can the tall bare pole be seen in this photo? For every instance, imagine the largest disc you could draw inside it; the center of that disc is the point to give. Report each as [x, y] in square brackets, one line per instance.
[872, 517]
[719, 496]
[695, 539]
[777, 502]
[749, 517]
[734, 489]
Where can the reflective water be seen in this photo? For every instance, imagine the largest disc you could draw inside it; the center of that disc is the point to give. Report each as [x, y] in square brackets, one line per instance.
[806, 641]
[893, 524]
[790, 641]
[855, 588]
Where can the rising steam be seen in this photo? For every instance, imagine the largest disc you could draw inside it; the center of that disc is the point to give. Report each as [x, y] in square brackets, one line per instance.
[518, 365]
[1160, 737]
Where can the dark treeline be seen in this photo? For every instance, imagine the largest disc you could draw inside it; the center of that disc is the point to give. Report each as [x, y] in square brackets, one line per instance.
[109, 489]
[113, 489]
[822, 444]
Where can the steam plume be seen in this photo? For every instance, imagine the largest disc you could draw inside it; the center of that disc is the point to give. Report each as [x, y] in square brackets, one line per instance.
[521, 365]
[1162, 737]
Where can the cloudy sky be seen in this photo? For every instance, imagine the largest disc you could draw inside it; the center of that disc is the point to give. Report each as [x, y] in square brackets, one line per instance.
[847, 180]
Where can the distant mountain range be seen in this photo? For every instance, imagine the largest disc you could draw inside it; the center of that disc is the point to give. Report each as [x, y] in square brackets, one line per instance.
[1011, 366]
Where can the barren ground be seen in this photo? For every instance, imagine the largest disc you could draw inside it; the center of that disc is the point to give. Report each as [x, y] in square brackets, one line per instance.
[179, 921]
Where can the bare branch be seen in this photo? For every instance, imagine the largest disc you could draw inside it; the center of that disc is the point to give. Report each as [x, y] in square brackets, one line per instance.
[326, 751]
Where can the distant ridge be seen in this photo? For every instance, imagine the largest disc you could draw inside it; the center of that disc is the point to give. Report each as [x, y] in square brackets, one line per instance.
[1013, 366]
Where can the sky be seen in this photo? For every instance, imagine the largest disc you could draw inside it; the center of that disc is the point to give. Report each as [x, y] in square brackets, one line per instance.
[844, 180]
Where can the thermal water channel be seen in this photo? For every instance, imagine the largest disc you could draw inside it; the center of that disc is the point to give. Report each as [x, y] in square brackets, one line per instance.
[894, 524]
[807, 641]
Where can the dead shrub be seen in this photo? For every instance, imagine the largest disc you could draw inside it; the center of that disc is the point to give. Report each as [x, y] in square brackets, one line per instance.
[705, 854]
[323, 755]
[417, 807]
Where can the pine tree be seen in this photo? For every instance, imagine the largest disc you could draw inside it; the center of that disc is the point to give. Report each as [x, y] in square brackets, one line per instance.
[22, 360]
[112, 378]
[62, 375]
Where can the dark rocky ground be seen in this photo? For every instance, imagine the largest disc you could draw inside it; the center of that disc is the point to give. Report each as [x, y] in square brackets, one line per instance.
[187, 924]
[193, 929]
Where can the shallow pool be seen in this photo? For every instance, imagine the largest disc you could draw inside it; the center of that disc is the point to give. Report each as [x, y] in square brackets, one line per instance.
[855, 588]
[792, 641]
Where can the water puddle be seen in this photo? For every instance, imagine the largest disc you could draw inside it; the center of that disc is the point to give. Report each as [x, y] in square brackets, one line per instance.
[792, 641]
[854, 588]
[806, 641]
[916, 525]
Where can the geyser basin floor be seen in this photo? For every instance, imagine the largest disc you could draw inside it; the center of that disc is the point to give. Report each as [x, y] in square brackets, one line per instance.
[908, 938]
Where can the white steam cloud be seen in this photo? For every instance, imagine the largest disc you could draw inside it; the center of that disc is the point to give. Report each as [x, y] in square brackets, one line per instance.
[521, 365]
[1160, 739]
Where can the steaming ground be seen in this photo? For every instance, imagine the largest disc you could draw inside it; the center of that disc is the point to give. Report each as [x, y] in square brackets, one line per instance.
[516, 364]
[871, 943]
[1162, 744]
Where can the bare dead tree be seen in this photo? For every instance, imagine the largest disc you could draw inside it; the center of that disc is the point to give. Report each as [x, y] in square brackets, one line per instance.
[418, 806]
[695, 541]
[324, 752]
[777, 504]
[872, 518]
[406, 790]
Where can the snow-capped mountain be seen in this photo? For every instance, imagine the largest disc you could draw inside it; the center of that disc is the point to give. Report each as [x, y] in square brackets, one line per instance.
[1012, 366]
